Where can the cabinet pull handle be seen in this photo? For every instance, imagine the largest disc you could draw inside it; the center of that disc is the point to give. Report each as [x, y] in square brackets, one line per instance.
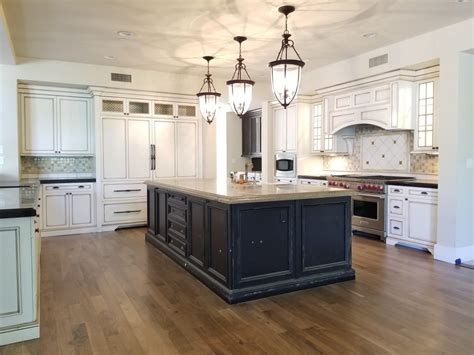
[397, 207]
[55, 187]
[81, 186]
[396, 190]
[127, 190]
[131, 211]
[396, 228]
[424, 193]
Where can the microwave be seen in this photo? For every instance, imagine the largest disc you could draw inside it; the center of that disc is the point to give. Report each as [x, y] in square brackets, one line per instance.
[285, 165]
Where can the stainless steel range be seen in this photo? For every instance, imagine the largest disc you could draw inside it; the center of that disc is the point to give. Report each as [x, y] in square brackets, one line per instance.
[368, 205]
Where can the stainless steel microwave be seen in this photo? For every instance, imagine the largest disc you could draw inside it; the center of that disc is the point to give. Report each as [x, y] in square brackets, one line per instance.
[285, 164]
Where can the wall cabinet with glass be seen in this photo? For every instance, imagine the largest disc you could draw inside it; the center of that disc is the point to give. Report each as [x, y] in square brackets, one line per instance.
[426, 139]
[323, 142]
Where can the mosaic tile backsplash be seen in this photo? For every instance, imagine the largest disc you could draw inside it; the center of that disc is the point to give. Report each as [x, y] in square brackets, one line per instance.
[378, 150]
[53, 165]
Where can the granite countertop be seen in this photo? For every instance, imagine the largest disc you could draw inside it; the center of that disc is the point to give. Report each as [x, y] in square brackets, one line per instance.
[432, 184]
[66, 180]
[226, 192]
[18, 199]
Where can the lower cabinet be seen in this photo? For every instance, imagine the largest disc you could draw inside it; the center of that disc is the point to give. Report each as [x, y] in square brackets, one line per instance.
[68, 207]
[247, 251]
[412, 216]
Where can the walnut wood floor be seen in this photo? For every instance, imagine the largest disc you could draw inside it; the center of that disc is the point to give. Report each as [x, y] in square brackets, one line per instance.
[112, 293]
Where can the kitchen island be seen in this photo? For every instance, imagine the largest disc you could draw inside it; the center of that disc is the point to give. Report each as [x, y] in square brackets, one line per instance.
[251, 241]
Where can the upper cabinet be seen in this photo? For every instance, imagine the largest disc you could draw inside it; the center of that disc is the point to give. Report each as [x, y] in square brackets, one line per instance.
[55, 124]
[389, 106]
[252, 134]
[285, 129]
[147, 108]
[426, 139]
[323, 142]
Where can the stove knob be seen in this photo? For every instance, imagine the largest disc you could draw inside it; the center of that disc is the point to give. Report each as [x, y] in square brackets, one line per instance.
[341, 184]
[347, 186]
[359, 187]
[364, 187]
[380, 187]
[370, 187]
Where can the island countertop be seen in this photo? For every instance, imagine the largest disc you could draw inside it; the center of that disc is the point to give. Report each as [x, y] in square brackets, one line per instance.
[226, 192]
[18, 201]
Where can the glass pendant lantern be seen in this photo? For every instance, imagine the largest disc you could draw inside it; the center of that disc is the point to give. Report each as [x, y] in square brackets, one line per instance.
[208, 96]
[286, 72]
[240, 89]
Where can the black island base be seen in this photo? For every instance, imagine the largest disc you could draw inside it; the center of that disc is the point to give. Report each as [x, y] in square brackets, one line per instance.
[249, 250]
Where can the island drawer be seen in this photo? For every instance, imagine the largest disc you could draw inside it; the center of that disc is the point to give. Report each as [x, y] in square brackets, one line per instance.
[177, 228]
[177, 199]
[178, 214]
[177, 245]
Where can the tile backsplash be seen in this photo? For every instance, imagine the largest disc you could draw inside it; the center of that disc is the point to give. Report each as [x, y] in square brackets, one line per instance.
[57, 165]
[378, 150]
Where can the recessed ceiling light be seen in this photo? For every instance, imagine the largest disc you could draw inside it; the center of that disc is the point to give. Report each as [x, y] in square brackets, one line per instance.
[125, 34]
[109, 57]
[370, 35]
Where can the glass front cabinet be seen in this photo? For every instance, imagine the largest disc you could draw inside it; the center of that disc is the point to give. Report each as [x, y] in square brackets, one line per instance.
[425, 137]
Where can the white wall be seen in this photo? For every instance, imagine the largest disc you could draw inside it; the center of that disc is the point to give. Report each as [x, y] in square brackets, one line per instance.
[455, 232]
[67, 73]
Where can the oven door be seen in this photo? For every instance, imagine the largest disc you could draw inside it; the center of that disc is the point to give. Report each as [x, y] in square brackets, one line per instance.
[368, 211]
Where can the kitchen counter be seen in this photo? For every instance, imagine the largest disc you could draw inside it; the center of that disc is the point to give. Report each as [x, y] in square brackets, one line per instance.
[226, 192]
[66, 180]
[251, 241]
[18, 201]
[416, 183]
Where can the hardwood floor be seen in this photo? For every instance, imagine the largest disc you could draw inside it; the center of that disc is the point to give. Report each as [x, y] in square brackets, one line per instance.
[112, 293]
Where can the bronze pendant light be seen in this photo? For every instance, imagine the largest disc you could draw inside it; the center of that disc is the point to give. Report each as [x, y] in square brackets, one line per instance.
[240, 89]
[209, 99]
[286, 72]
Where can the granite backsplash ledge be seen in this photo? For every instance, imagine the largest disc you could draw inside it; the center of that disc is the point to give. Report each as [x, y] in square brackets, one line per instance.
[57, 165]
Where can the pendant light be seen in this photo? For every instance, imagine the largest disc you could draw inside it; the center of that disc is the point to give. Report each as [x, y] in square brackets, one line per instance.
[240, 90]
[208, 99]
[286, 72]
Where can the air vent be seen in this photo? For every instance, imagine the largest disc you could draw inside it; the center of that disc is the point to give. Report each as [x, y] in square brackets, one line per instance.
[375, 61]
[126, 78]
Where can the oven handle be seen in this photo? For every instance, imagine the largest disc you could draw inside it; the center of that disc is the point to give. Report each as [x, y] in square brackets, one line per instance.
[381, 197]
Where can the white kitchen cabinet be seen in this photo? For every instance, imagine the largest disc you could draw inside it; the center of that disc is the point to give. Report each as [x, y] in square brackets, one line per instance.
[138, 144]
[19, 270]
[67, 208]
[112, 106]
[186, 149]
[285, 129]
[323, 142]
[114, 148]
[54, 124]
[412, 216]
[170, 110]
[314, 182]
[426, 128]
[165, 142]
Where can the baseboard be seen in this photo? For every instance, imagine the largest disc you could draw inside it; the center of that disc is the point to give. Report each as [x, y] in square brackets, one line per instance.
[15, 335]
[62, 232]
[450, 254]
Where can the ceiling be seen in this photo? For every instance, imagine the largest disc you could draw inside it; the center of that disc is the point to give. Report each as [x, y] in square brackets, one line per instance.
[174, 35]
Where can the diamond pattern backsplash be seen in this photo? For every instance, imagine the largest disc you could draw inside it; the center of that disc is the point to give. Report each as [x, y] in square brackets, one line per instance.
[378, 150]
[51, 165]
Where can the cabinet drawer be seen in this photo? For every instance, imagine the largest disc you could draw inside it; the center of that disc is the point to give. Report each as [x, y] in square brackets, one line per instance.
[177, 245]
[69, 187]
[395, 227]
[427, 193]
[125, 212]
[177, 199]
[396, 190]
[178, 214]
[124, 190]
[177, 228]
[395, 205]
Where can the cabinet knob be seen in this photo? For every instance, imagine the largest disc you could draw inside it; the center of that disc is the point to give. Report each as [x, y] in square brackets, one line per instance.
[37, 230]
[220, 250]
[261, 242]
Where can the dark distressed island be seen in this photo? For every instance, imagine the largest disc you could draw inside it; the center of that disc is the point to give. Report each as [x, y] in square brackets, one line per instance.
[251, 241]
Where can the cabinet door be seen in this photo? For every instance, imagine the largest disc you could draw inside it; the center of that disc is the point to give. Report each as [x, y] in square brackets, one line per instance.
[186, 133]
[38, 124]
[425, 130]
[163, 109]
[217, 234]
[186, 111]
[279, 130]
[291, 128]
[164, 138]
[257, 135]
[139, 108]
[114, 148]
[56, 211]
[114, 107]
[138, 149]
[422, 220]
[74, 126]
[81, 209]
[246, 136]
[17, 273]
[196, 227]
[265, 243]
